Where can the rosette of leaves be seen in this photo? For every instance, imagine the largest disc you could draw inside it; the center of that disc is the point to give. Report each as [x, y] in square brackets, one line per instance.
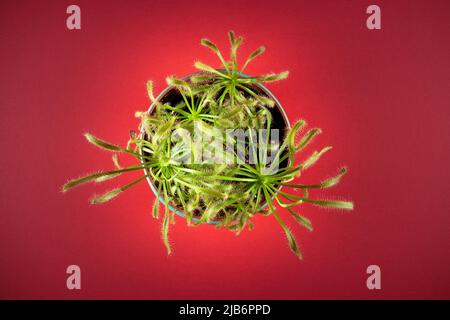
[228, 195]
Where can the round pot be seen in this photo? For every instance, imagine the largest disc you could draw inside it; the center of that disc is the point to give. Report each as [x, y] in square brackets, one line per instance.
[279, 120]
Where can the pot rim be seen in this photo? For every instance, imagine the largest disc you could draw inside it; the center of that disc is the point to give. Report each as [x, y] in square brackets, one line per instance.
[153, 105]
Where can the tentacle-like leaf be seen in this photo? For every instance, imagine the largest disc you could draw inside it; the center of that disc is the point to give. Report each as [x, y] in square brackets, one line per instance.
[235, 43]
[307, 138]
[114, 193]
[305, 222]
[155, 208]
[290, 237]
[150, 91]
[97, 177]
[252, 56]
[273, 77]
[293, 132]
[115, 160]
[209, 44]
[314, 158]
[103, 144]
[337, 204]
[179, 83]
[204, 67]
[165, 224]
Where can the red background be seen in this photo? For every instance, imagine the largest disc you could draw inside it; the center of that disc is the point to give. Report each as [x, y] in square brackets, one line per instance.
[381, 98]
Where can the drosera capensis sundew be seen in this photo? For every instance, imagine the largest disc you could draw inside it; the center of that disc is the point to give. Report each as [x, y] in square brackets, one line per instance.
[216, 147]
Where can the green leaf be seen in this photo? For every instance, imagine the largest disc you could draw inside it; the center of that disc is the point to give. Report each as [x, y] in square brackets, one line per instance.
[265, 101]
[165, 231]
[204, 67]
[232, 37]
[314, 158]
[97, 177]
[292, 243]
[334, 180]
[155, 208]
[163, 130]
[209, 44]
[199, 78]
[103, 144]
[273, 77]
[232, 112]
[330, 182]
[114, 193]
[115, 160]
[106, 197]
[305, 222]
[85, 179]
[150, 91]
[235, 43]
[307, 138]
[290, 237]
[179, 83]
[165, 224]
[107, 177]
[253, 55]
[293, 132]
[337, 204]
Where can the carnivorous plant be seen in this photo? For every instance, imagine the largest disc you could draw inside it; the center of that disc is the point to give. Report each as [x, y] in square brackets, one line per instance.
[214, 153]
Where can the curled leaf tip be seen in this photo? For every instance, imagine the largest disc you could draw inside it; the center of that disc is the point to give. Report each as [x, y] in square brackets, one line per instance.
[64, 188]
[209, 44]
[88, 136]
[106, 197]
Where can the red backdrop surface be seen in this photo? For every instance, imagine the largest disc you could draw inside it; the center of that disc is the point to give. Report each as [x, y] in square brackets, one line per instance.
[381, 98]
